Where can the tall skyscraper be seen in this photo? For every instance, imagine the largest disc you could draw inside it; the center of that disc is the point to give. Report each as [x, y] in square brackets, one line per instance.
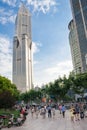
[22, 51]
[78, 35]
[75, 51]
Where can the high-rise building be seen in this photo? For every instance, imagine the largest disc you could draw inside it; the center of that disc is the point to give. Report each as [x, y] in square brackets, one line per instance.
[75, 51]
[78, 35]
[22, 51]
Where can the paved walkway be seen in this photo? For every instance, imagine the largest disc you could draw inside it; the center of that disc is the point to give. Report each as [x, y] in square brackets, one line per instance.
[58, 123]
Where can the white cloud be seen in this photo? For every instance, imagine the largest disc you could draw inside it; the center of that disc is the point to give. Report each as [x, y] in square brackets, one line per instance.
[38, 5]
[35, 47]
[43, 5]
[60, 69]
[5, 57]
[10, 2]
[46, 75]
[7, 16]
[12, 18]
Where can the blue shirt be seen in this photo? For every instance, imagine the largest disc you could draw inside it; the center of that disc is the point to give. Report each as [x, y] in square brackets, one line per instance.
[63, 108]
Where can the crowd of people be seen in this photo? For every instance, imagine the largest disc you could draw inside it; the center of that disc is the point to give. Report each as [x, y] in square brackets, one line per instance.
[77, 111]
[36, 110]
[47, 110]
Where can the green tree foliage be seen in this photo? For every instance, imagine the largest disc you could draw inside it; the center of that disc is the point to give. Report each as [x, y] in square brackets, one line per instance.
[5, 84]
[64, 86]
[54, 90]
[79, 83]
[7, 100]
[58, 90]
[8, 92]
[32, 95]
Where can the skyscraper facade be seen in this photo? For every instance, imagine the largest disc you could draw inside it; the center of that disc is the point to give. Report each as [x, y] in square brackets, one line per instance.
[22, 51]
[78, 35]
[75, 52]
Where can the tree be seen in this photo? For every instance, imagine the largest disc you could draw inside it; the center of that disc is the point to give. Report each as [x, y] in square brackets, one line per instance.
[7, 100]
[54, 90]
[5, 84]
[80, 83]
[31, 95]
[8, 93]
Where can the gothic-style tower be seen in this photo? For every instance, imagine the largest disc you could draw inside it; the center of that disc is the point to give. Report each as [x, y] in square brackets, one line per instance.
[22, 51]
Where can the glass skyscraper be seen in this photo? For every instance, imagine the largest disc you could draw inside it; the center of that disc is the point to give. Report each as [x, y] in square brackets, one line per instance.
[22, 51]
[78, 35]
[75, 52]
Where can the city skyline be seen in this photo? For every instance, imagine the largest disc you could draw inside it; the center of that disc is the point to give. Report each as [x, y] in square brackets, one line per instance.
[50, 20]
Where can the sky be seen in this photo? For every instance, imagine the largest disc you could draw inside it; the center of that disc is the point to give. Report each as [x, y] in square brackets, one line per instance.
[51, 49]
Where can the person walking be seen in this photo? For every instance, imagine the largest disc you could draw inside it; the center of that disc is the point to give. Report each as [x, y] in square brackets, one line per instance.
[82, 111]
[49, 112]
[63, 110]
[43, 112]
[37, 112]
[32, 111]
[53, 112]
[72, 113]
[60, 107]
[77, 110]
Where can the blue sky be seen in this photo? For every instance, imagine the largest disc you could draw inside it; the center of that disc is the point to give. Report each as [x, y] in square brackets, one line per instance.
[51, 50]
